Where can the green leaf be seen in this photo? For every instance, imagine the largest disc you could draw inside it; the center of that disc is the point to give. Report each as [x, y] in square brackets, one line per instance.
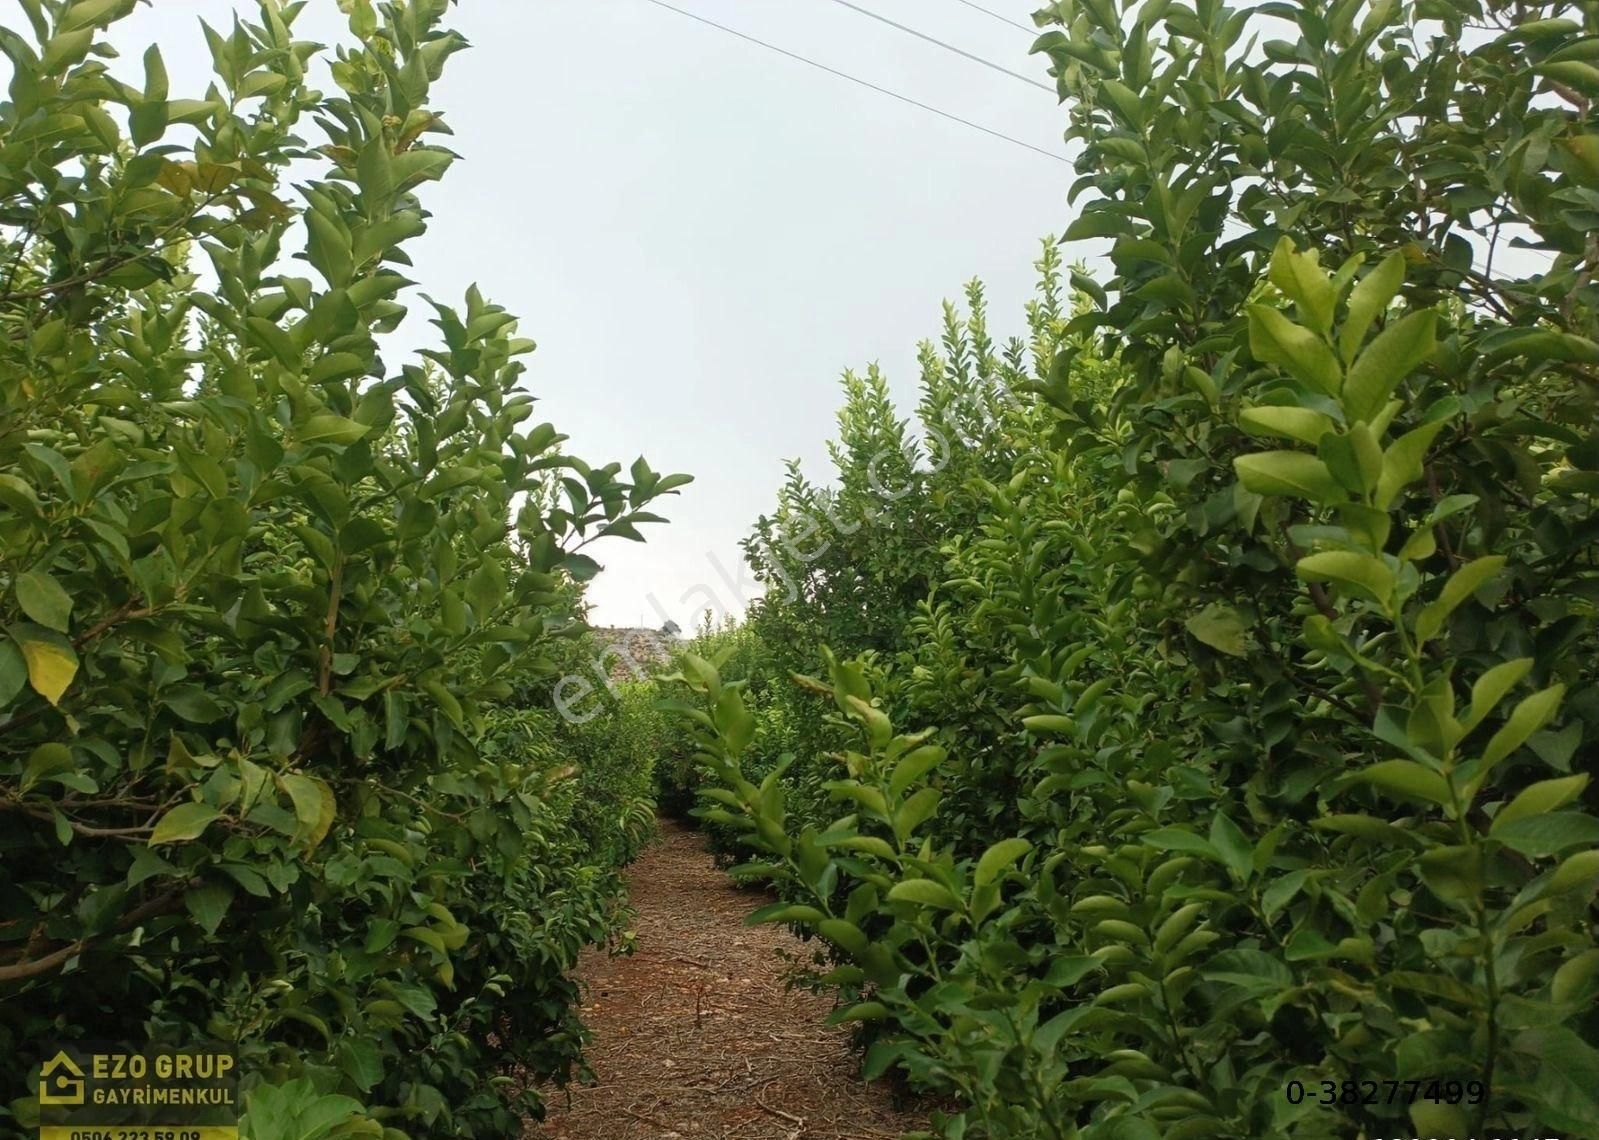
[90, 14]
[1564, 1092]
[428, 937]
[924, 892]
[1539, 836]
[1530, 715]
[452, 613]
[844, 934]
[1407, 778]
[580, 566]
[1221, 627]
[870, 844]
[1234, 847]
[47, 760]
[785, 912]
[1579, 871]
[1461, 585]
[1572, 978]
[13, 671]
[996, 860]
[1097, 223]
[209, 904]
[860, 1011]
[329, 249]
[1491, 688]
[485, 589]
[913, 766]
[361, 1061]
[327, 428]
[1402, 463]
[1544, 796]
[1454, 874]
[192, 703]
[1069, 970]
[1178, 839]
[264, 334]
[445, 700]
[183, 823]
[1363, 827]
[1369, 300]
[734, 721]
[1364, 575]
[42, 599]
[1386, 361]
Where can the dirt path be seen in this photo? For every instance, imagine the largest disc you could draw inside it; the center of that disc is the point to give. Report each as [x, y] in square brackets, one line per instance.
[695, 1037]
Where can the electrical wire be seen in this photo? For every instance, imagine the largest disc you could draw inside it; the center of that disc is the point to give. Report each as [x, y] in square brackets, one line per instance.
[1241, 230]
[862, 82]
[997, 16]
[910, 31]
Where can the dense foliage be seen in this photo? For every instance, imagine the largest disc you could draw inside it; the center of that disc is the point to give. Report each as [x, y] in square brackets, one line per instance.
[279, 618]
[1209, 681]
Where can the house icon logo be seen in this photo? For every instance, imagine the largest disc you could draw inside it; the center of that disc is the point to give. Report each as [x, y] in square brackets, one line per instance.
[60, 1081]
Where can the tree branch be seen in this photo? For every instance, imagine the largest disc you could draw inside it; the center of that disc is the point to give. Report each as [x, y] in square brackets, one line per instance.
[33, 967]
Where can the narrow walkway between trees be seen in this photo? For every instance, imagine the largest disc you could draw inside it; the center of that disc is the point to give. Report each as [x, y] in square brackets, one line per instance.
[695, 1036]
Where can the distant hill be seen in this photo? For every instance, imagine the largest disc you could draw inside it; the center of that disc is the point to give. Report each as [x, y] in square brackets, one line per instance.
[631, 652]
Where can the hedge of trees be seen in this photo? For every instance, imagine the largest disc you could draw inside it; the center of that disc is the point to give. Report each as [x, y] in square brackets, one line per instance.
[1182, 727]
[278, 617]
[1196, 708]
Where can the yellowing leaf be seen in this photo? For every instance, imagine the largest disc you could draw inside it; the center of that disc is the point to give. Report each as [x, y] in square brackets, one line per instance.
[1291, 473]
[51, 667]
[1301, 279]
[178, 177]
[314, 806]
[1274, 339]
[1300, 424]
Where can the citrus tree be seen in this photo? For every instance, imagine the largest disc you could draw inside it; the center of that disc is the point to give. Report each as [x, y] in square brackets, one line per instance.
[1235, 777]
[264, 594]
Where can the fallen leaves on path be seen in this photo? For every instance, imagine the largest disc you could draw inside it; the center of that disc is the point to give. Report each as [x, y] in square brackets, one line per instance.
[696, 1036]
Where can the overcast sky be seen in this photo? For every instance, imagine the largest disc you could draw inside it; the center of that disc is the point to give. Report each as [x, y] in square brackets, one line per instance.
[702, 234]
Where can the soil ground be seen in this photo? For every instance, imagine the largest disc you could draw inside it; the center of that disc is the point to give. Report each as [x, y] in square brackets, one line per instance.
[696, 1036]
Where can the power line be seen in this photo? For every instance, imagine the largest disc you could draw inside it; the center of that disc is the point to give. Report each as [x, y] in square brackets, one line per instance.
[997, 16]
[910, 31]
[862, 82]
